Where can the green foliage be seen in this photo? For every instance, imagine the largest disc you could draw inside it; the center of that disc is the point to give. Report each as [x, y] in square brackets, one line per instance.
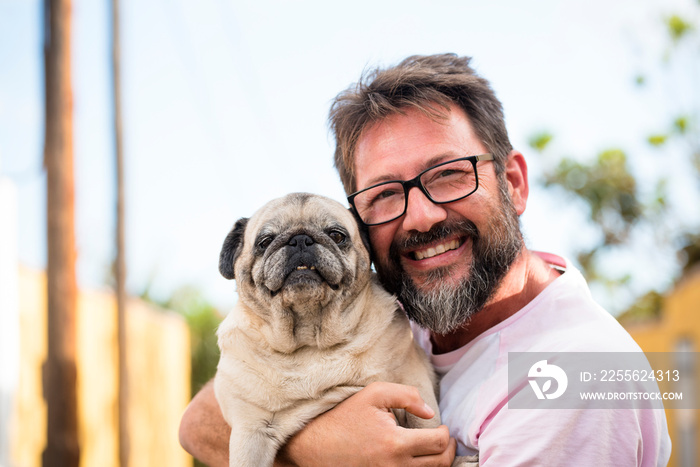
[647, 307]
[607, 184]
[678, 27]
[540, 141]
[681, 124]
[202, 319]
[689, 251]
[607, 187]
[657, 140]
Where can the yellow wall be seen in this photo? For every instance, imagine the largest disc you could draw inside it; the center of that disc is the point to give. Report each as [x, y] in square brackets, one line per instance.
[680, 321]
[158, 364]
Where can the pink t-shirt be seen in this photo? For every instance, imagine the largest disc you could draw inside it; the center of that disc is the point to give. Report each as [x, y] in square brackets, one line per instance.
[474, 390]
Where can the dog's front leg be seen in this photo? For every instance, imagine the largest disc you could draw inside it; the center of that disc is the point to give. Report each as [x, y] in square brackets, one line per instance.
[421, 377]
[255, 435]
[256, 447]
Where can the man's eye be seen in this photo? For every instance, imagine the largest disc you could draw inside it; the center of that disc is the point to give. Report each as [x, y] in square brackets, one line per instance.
[448, 172]
[446, 176]
[384, 195]
[452, 174]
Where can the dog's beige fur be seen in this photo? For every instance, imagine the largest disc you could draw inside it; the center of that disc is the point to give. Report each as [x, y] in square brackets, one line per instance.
[301, 339]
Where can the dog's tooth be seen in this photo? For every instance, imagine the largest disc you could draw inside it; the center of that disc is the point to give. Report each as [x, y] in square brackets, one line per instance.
[313, 268]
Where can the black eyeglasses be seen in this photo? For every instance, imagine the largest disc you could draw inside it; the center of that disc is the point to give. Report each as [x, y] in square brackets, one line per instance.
[443, 183]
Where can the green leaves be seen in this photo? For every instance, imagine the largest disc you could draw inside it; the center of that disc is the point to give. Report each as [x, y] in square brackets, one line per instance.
[626, 195]
[539, 141]
[678, 27]
[647, 307]
[681, 124]
[657, 140]
[202, 319]
[608, 188]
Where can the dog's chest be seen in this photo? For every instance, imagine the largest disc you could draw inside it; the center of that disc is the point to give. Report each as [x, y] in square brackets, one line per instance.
[277, 383]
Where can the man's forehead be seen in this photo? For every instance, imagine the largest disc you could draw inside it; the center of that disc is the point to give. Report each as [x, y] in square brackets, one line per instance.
[412, 141]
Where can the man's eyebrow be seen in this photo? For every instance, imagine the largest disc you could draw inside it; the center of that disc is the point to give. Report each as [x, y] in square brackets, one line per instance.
[435, 160]
[381, 179]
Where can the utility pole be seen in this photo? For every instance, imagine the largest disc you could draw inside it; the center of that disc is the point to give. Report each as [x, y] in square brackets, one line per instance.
[62, 446]
[120, 263]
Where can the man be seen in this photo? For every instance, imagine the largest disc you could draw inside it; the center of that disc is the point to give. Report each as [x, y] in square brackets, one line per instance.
[423, 151]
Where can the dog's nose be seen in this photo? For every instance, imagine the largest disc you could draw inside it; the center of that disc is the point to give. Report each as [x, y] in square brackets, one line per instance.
[301, 241]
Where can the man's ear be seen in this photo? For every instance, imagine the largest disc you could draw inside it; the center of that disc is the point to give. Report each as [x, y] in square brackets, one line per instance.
[233, 245]
[516, 177]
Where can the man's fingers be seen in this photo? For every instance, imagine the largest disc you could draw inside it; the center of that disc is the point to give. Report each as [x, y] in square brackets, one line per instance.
[398, 396]
[362, 429]
[441, 458]
[444, 458]
[426, 441]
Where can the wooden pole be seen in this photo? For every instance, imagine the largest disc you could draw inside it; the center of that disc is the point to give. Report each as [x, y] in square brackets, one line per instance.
[62, 447]
[120, 264]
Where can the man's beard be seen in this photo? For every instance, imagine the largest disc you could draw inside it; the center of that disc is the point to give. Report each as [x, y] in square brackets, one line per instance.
[440, 306]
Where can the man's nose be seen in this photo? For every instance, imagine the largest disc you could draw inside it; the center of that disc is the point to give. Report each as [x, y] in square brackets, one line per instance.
[421, 213]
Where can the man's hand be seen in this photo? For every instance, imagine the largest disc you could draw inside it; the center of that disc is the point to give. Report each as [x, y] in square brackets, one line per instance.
[359, 431]
[362, 431]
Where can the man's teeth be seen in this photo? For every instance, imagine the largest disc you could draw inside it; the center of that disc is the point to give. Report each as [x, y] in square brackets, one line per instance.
[437, 250]
[301, 268]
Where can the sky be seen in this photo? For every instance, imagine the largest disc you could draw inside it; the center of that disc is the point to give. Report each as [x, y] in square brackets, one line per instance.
[225, 105]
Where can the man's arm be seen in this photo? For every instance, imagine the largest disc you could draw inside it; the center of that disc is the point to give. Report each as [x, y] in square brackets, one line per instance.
[203, 431]
[359, 431]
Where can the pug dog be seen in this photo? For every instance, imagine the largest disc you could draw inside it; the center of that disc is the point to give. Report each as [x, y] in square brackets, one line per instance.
[312, 326]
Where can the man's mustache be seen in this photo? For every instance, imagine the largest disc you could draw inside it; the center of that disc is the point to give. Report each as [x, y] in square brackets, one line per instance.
[446, 229]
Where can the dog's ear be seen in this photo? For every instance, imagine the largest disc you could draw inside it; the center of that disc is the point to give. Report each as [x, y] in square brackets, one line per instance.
[364, 230]
[233, 245]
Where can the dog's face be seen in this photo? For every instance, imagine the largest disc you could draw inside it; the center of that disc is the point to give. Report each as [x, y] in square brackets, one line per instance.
[298, 253]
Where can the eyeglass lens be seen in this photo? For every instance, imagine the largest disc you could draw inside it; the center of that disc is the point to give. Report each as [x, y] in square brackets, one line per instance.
[443, 184]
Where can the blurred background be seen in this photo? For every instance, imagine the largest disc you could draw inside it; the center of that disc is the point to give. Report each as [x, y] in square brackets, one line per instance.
[223, 106]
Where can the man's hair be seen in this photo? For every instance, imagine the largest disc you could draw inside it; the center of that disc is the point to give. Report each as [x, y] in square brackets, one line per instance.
[428, 83]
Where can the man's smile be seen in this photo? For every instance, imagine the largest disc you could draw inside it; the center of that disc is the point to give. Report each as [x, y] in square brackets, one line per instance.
[436, 249]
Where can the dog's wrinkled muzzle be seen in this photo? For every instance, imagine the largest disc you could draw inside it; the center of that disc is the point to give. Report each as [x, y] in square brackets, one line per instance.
[303, 261]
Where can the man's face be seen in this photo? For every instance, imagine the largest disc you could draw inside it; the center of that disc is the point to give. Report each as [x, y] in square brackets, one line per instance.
[444, 261]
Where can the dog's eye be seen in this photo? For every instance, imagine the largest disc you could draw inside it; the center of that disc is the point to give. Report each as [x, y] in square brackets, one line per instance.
[264, 242]
[337, 237]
